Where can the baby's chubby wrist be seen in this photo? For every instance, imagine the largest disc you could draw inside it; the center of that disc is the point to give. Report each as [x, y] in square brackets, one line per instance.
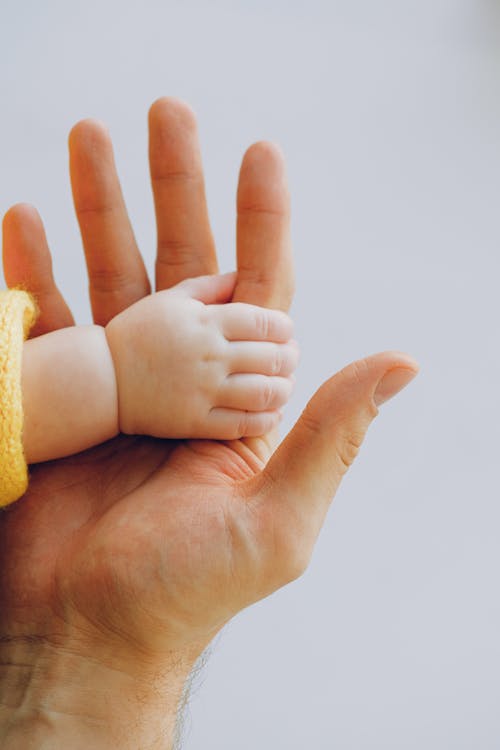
[69, 393]
[124, 334]
[145, 342]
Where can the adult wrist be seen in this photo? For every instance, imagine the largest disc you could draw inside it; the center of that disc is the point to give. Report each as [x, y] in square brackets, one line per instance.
[61, 697]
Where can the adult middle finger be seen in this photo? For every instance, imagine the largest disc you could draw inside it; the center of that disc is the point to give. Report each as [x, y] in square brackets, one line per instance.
[185, 243]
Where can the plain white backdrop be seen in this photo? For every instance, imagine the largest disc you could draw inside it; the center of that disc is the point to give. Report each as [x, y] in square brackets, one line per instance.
[389, 114]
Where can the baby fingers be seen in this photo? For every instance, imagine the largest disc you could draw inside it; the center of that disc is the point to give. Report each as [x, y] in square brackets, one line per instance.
[255, 393]
[231, 424]
[263, 357]
[241, 322]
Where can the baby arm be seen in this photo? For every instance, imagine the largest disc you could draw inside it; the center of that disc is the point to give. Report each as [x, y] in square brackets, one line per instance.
[188, 366]
[176, 364]
[69, 393]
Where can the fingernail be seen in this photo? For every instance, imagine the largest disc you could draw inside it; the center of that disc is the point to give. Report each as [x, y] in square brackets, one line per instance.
[392, 382]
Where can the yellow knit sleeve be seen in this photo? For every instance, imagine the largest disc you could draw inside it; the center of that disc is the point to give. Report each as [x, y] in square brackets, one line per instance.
[18, 312]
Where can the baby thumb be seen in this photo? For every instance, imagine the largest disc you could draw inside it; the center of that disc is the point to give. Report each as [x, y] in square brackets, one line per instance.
[211, 290]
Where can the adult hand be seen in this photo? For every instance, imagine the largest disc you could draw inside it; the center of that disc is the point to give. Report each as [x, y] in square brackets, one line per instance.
[120, 564]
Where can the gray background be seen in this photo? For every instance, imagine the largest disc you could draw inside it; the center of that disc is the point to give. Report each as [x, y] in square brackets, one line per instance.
[389, 113]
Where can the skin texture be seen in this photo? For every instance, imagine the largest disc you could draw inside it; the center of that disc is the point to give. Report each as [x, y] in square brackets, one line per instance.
[178, 363]
[122, 563]
[64, 373]
[182, 361]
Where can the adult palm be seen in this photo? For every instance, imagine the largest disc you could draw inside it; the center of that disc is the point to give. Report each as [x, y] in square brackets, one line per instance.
[152, 545]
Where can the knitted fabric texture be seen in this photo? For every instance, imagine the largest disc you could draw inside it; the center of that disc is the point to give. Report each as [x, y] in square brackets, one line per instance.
[17, 314]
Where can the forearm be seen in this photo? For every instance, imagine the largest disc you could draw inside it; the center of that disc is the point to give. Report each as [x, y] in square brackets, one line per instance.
[69, 393]
[57, 699]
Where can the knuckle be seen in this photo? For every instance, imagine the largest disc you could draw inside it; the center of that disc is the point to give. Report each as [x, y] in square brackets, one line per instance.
[174, 252]
[277, 362]
[262, 323]
[261, 209]
[176, 176]
[357, 370]
[206, 316]
[312, 423]
[110, 280]
[99, 210]
[359, 373]
[211, 358]
[255, 276]
[242, 425]
[289, 361]
[266, 394]
[348, 448]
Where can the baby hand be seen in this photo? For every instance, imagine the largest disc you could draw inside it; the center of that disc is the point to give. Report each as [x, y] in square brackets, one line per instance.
[189, 366]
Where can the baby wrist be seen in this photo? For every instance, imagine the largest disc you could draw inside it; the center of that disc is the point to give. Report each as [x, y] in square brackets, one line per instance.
[69, 393]
[119, 348]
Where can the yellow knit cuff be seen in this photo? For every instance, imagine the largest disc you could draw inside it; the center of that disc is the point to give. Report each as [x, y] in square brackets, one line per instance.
[18, 312]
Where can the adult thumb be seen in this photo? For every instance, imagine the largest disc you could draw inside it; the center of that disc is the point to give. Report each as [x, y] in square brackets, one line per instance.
[305, 471]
